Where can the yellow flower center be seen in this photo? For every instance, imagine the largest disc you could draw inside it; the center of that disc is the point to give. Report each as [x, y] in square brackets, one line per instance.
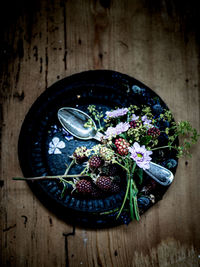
[139, 155]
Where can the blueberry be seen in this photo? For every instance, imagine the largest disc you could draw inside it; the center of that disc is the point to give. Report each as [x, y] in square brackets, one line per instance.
[143, 202]
[171, 163]
[137, 90]
[125, 218]
[166, 123]
[157, 108]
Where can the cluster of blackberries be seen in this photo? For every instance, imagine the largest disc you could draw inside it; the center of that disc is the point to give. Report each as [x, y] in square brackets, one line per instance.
[104, 181]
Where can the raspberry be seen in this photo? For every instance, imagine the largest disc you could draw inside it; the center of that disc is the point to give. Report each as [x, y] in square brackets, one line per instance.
[104, 183]
[122, 146]
[95, 162]
[83, 186]
[154, 132]
[135, 124]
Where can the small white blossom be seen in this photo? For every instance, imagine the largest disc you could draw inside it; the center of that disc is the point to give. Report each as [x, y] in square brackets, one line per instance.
[55, 145]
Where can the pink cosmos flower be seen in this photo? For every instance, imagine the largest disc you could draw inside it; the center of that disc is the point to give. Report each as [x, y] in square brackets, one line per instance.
[140, 155]
[117, 113]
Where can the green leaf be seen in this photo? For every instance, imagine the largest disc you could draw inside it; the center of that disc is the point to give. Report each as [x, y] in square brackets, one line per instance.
[139, 173]
[122, 135]
[135, 203]
[137, 215]
[65, 186]
[133, 200]
[145, 140]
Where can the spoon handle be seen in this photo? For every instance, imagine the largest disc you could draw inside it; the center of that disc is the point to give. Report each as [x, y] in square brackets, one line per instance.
[98, 136]
[160, 174]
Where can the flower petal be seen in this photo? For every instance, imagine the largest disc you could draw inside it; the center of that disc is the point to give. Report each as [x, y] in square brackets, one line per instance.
[51, 150]
[57, 151]
[55, 141]
[61, 144]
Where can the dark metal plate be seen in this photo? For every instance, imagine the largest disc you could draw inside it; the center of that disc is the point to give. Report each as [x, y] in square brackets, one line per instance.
[106, 89]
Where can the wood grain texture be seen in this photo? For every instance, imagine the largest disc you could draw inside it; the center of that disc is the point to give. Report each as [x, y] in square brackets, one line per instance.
[157, 42]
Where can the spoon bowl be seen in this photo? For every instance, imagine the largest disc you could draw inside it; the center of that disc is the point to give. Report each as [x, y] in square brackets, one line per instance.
[73, 120]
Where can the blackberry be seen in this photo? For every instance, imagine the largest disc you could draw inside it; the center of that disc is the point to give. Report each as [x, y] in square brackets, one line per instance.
[110, 170]
[104, 183]
[115, 188]
[96, 192]
[149, 187]
[95, 162]
[154, 132]
[83, 186]
[122, 146]
[117, 179]
[113, 169]
[135, 124]
[80, 154]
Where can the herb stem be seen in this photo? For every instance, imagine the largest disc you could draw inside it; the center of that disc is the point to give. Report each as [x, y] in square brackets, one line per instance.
[69, 167]
[100, 127]
[160, 147]
[48, 177]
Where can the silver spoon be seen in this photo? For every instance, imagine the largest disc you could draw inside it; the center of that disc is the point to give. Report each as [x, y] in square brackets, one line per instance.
[73, 120]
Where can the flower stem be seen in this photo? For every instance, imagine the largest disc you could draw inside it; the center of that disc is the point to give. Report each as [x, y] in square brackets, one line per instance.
[122, 166]
[131, 199]
[48, 177]
[126, 195]
[132, 192]
[135, 191]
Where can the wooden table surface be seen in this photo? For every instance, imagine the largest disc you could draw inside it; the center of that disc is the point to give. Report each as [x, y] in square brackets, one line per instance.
[157, 42]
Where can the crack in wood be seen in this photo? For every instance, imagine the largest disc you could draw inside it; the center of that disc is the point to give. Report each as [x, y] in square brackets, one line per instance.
[35, 49]
[65, 36]
[105, 3]
[25, 219]
[41, 65]
[9, 228]
[46, 63]
[19, 96]
[1, 183]
[66, 245]
[18, 72]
